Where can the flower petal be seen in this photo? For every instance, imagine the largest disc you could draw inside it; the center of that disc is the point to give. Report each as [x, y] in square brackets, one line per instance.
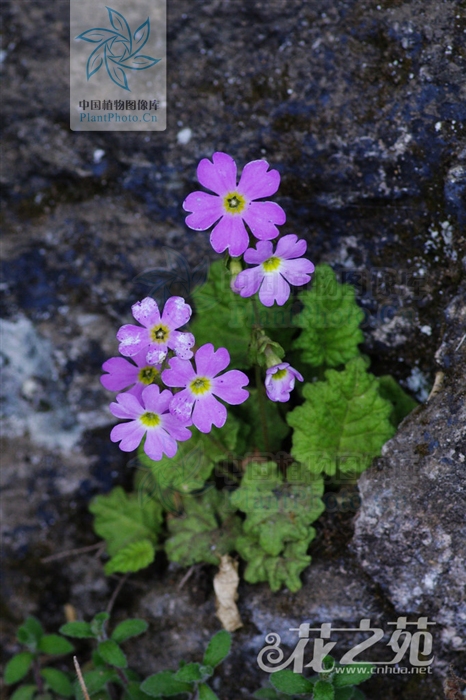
[274, 288]
[206, 210]
[175, 427]
[151, 398]
[176, 312]
[181, 405]
[158, 442]
[130, 435]
[208, 411]
[156, 353]
[210, 362]
[181, 343]
[228, 387]
[297, 271]
[257, 181]
[126, 406]
[219, 176]
[290, 247]
[121, 374]
[132, 339]
[257, 255]
[248, 281]
[261, 218]
[180, 373]
[146, 312]
[230, 233]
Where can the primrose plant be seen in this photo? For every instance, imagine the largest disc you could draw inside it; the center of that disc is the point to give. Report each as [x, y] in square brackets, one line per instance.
[233, 457]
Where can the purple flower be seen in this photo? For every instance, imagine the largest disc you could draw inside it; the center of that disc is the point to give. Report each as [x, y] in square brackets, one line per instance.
[123, 374]
[280, 380]
[233, 204]
[158, 334]
[202, 385]
[148, 416]
[275, 271]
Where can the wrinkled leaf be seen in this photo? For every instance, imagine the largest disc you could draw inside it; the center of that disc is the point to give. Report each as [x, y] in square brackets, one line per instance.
[323, 690]
[189, 673]
[217, 649]
[291, 683]
[135, 556]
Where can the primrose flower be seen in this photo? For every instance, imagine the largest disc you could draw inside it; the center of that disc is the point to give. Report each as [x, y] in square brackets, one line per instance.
[275, 271]
[148, 416]
[202, 385]
[280, 380]
[158, 333]
[233, 204]
[134, 374]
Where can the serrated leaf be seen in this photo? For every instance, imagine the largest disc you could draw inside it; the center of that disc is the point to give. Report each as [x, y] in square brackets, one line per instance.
[217, 649]
[30, 632]
[133, 557]
[79, 630]
[277, 512]
[207, 530]
[276, 428]
[329, 321]
[283, 570]
[323, 690]
[95, 681]
[17, 667]
[227, 317]
[122, 519]
[164, 684]
[206, 693]
[129, 628]
[24, 692]
[402, 402]
[55, 645]
[112, 654]
[292, 683]
[352, 674]
[343, 423]
[57, 681]
[189, 673]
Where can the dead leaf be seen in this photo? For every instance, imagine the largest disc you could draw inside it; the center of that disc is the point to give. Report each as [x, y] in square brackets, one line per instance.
[226, 583]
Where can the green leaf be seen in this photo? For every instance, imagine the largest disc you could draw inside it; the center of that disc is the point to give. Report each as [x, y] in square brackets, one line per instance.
[346, 693]
[189, 673]
[277, 512]
[99, 622]
[17, 667]
[284, 569]
[207, 530]
[323, 690]
[112, 654]
[55, 645]
[352, 674]
[129, 628]
[217, 649]
[402, 402]
[79, 630]
[291, 683]
[165, 684]
[343, 423]
[57, 681]
[134, 692]
[95, 681]
[205, 693]
[329, 321]
[267, 694]
[24, 692]
[277, 429]
[227, 318]
[123, 519]
[30, 632]
[133, 557]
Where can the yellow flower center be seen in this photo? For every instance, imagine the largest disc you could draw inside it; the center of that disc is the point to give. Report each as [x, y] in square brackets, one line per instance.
[159, 333]
[147, 375]
[151, 420]
[272, 264]
[200, 386]
[234, 203]
[279, 374]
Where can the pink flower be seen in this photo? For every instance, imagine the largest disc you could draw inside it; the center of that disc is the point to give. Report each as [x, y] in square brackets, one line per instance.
[233, 204]
[123, 374]
[202, 385]
[158, 334]
[275, 271]
[280, 380]
[148, 416]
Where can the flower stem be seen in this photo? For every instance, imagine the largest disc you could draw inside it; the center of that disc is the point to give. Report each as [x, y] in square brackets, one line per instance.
[261, 398]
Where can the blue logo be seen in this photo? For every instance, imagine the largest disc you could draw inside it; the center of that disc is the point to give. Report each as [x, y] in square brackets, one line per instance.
[118, 49]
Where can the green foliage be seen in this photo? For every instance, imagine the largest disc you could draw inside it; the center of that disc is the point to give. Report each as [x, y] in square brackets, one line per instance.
[207, 530]
[95, 681]
[57, 681]
[18, 667]
[30, 633]
[127, 629]
[329, 321]
[226, 319]
[276, 428]
[122, 520]
[164, 684]
[324, 690]
[190, 673]
[217, 649]
[79, 630]
[205, 693]
[402, 403]
[111, 653]
[291, 683]
[352, 674]
[55, 645]
[24, 692]
[343, 423]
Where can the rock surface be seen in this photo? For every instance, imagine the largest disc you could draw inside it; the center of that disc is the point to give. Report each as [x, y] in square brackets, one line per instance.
[361, 107]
